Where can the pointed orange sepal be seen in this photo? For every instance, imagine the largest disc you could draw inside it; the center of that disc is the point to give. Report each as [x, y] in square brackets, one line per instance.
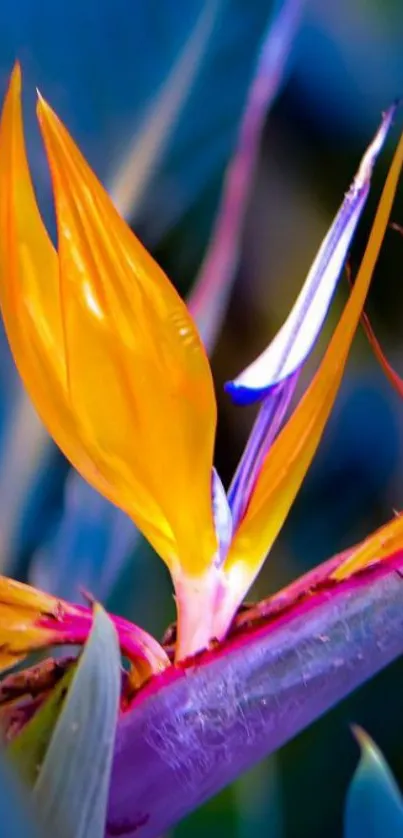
[291, 454]
[105, 346]
[381, 544]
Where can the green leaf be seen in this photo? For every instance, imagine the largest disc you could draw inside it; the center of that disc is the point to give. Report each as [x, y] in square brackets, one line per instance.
[71, 791]
[374, 804]
[27, 751]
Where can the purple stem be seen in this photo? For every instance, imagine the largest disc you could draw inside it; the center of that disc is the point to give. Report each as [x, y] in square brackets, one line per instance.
[192, 731]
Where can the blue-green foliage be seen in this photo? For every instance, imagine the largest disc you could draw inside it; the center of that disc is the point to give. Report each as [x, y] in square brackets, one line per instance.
[71, 791]
[28, 748]
[64, 753]
[101, 64]
[374, 804]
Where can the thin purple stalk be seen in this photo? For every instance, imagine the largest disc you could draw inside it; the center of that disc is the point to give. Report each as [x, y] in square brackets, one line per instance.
[267, 425]
[192, 731]
[211, 291]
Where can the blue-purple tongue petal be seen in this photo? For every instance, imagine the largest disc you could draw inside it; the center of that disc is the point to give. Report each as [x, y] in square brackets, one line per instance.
[294, 341]
[267, 425]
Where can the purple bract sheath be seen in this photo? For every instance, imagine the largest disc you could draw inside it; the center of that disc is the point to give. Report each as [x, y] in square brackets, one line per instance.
[193, 730]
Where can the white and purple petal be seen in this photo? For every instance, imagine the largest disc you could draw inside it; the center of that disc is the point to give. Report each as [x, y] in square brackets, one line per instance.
[222, 516]
[292, 344]
[267, 425]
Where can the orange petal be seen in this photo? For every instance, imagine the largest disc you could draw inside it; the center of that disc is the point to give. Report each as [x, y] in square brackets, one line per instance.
[382, 543]
[21, 609]
[30, 296]
[105, 346]
[31, 620]
[286, 464]
[137, 374]
[29, 286]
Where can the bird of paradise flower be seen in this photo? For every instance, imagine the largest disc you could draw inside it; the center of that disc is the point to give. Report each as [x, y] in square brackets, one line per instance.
[116, 369]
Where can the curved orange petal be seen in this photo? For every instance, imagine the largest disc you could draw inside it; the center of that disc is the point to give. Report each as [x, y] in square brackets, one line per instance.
[29, 281]
[29, 289]
[287, 462]
[31, 619]
[138, 379]
[21, 610]
[382, 543]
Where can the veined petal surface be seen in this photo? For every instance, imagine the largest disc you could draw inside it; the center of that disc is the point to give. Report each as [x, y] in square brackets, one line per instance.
[294, 341]
[288, 460]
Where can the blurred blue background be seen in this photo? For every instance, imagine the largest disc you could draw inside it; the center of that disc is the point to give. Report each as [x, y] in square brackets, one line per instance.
[167, 82]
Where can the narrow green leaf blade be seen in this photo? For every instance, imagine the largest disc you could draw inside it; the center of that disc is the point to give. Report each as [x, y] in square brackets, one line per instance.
[71, 792]
[27, 751]
[374, 804]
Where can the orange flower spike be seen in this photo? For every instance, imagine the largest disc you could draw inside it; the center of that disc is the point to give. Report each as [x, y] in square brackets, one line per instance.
[113, 361]
[137, 374]
[291, 454]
